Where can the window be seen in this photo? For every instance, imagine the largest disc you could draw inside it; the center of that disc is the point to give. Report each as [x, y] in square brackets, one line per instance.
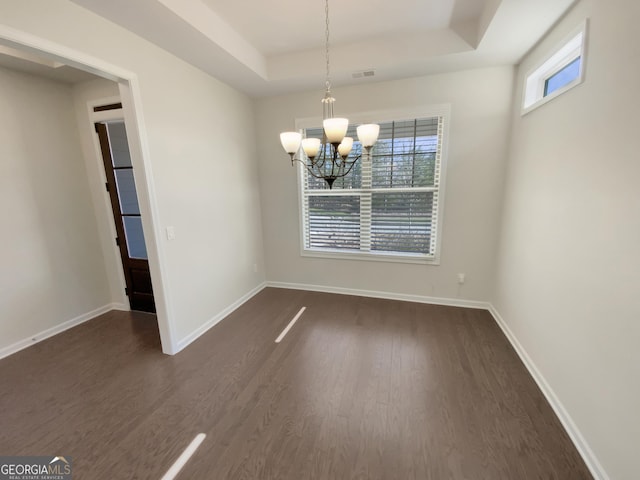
[558, 74]
[565, 76]
[389, 206]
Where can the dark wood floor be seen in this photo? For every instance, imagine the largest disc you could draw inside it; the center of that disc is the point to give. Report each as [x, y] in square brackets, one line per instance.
[360, 388]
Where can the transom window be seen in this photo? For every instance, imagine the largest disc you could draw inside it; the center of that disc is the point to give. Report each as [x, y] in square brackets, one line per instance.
[389, 206]
[564, 76]
[562, 70]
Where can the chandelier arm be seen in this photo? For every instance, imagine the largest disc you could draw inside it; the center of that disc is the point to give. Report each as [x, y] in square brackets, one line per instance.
[321, 161]
[337, 158]
[335, 162]
[351, 165]
[309, 168]
[341, 170]
[299, 161]
[314, 174]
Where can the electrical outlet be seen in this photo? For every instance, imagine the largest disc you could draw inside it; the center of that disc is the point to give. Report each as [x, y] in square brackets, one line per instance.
[255, 268]
[461, 278]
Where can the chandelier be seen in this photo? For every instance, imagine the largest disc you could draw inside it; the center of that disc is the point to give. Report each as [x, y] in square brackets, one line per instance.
[328, 158]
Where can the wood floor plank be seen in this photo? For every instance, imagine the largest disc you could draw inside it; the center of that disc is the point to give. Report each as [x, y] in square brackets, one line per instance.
[360, 388]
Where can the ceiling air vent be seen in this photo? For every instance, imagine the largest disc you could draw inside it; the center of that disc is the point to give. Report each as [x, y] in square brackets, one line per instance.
[365, 73]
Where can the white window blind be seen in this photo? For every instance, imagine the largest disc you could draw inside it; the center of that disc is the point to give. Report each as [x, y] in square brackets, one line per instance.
[388, 205]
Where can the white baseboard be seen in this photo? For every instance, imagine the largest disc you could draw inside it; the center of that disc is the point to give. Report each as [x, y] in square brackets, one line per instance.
[182, 344]
[122, 307]
[38, 337]
[451, 302]
[565, 419]
[569, 425]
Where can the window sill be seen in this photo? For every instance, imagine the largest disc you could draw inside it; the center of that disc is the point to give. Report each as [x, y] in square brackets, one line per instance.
[374, 257]
[552, 96]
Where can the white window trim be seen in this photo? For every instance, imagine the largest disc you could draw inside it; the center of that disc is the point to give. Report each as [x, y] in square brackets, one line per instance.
[573, 46]
[381, 116]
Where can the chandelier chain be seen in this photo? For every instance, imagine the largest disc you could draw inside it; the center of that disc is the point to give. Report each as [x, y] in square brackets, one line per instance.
[326, 14]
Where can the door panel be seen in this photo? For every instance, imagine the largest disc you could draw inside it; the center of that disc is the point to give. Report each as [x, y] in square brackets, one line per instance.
[126, 213]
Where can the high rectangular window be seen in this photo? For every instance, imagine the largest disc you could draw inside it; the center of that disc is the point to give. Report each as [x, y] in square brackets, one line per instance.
[561, 70]
[389, 206]
[564, 76]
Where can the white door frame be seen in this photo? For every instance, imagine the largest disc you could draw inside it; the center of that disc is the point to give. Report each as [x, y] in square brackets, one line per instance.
[132, 109]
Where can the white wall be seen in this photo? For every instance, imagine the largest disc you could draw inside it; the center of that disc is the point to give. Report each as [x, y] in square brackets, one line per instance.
[82, 93]
[52, 264]
[201, 157]
[568, 279]
[480, 110]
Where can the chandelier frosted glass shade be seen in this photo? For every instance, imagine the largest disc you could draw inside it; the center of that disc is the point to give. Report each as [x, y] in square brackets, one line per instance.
[344, 149]
[311, 147]
[290, 142]
[368, 134]
[335, 129]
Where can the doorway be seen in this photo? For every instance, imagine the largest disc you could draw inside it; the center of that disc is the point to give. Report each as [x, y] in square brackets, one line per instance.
[129, 93]
[121, 186]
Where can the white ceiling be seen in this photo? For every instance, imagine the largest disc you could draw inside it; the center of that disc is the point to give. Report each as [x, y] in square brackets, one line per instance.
[285, 26]
[274, 46]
